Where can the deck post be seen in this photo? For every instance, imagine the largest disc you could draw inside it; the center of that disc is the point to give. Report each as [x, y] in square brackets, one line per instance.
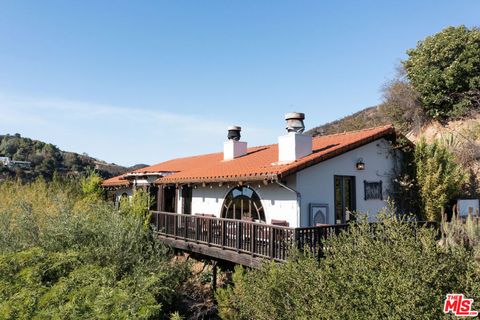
[271, 240]
[252, 239]
[239, 235]
[165, 225]
[175, 226]
[209, 230]
[214, 276]
[186, 228]
[197, 228]
[223, 233]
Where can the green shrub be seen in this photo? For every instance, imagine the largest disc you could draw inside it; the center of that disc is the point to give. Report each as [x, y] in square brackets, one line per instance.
[92, 185]
[392, 270]
[138, 205]
[65, 257]
[438, 177]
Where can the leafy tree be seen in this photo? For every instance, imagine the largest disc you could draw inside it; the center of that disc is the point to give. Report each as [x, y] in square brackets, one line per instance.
[438, 177]
[445, 70]
[137, 205]
[92, 185]
[401, 105]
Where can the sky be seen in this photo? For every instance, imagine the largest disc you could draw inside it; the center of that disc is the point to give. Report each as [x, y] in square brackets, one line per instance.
[145, 81]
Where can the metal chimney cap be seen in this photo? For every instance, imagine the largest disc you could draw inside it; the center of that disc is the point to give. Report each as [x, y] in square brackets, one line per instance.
[295, 115]
[295, 122]
[234, 133]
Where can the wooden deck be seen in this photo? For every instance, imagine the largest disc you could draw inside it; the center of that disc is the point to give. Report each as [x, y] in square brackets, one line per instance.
[242, 242]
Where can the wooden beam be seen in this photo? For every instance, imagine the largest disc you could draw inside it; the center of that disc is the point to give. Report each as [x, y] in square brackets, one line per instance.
[213, 252]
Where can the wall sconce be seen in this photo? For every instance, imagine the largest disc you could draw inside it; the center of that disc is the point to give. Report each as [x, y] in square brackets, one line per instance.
[360, 164]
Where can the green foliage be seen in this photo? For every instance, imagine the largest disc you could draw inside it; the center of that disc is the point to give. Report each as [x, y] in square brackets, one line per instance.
[64, 258]
[176, 316]
[445, 70]
[46, 158]
[401, 104]
[438, 177]
[392, 270]
[92, 185]
[138, 205]
[366, 118]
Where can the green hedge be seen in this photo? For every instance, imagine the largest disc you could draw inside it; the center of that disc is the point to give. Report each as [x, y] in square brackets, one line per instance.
[393, 271]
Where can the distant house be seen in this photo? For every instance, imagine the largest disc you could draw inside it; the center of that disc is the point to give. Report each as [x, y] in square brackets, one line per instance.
[298, 182]
[6, 161]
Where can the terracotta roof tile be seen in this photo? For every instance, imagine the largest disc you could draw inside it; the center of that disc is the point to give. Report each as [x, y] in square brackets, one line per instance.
[260, 162]
[115, 181]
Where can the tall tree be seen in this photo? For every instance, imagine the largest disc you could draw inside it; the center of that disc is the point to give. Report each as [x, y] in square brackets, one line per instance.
[445, 70]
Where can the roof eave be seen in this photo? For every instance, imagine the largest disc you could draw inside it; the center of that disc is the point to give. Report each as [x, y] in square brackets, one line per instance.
[249, 178]
[388, 133]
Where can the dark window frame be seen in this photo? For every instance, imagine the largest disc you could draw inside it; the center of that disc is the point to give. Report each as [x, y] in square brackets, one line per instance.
[353, 196]
[370, 184]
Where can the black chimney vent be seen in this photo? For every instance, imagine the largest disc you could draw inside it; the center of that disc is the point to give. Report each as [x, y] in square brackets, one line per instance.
[234, 133]
[295, 122]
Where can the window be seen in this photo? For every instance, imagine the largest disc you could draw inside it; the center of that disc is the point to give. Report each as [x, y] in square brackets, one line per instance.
[373, 190]
[187, 200]
[344, 196]
[243, 203]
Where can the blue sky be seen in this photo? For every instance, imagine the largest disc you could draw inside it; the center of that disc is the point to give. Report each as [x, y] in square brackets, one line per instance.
[145, 81]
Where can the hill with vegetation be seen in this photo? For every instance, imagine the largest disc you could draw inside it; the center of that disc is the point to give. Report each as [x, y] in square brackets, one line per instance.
[435, 96]
[438, 82]
[47, 159]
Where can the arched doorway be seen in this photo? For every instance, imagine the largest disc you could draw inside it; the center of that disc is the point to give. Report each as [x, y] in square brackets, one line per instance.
[243, 203]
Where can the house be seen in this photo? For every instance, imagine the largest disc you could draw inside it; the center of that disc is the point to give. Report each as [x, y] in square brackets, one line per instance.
[7, 162]
[298, 182]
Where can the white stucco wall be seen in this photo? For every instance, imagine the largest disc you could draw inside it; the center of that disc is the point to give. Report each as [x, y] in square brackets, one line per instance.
[278, 203]
[119, 192]
[316, 183]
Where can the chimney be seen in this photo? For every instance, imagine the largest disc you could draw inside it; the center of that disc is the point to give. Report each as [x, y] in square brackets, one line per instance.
[294, 145]
[234, 148]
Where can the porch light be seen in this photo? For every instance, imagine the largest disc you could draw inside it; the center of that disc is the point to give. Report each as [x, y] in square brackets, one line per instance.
[360, 164]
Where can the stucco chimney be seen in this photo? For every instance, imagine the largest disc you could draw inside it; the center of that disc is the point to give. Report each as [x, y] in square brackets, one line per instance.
[294, 145]
[234, 148]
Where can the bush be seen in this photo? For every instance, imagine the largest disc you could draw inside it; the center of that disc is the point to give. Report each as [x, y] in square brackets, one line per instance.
[438, 176]
[445, 70]
[391, 270]
[59, 259]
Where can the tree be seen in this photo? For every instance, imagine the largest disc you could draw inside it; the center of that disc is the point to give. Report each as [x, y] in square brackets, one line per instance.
[445, 70]
[438, 177]
[91, 185]
[401, 104]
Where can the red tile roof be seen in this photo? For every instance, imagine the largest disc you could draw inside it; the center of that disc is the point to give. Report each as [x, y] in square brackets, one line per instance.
[115, 181]
[260, 162]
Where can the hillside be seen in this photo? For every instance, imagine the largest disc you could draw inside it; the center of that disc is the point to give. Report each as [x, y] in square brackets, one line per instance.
[462, 136]
[366, 118]
[45, 159]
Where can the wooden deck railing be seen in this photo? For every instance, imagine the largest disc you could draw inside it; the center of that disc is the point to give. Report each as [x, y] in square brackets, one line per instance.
[245, 237]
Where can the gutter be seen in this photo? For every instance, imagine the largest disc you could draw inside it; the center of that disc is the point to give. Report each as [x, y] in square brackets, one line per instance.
[299, 199]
